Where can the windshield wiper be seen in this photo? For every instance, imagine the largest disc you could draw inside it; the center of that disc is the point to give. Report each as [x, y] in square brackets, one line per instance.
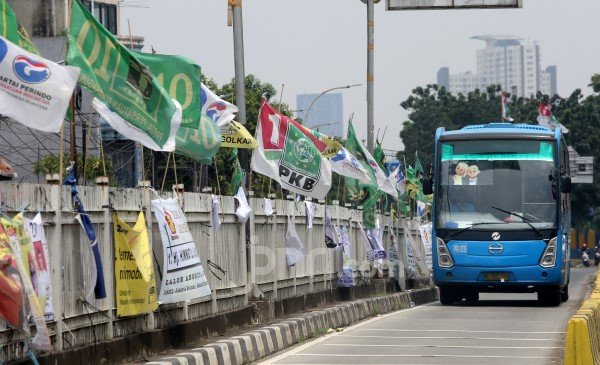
[471, 226]
[524, 219]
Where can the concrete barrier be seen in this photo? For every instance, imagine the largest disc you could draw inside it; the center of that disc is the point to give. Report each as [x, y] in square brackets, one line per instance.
[582, 346]
[254, 345]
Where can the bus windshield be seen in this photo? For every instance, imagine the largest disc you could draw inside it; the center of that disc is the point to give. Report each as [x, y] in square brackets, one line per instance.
[481, 181]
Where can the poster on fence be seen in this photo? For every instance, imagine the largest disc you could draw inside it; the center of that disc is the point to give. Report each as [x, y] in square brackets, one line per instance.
[182, 273]
[425, 231]
[420, 266]
[135, 291]
[21, 245]
[43, 284]
[12, 292]
[346, 276]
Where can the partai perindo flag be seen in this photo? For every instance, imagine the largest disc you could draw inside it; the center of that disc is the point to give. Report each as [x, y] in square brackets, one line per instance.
[115, 76]
[290, 155]
[34, 91]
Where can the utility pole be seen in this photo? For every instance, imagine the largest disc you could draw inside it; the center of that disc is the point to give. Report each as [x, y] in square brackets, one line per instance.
[370, 72]
[240, 74]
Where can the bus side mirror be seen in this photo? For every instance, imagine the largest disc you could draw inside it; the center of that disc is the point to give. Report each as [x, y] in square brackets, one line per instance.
[427, 185]
[565, 184]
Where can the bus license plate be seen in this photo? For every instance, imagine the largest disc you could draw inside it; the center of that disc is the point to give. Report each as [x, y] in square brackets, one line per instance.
[495, 276]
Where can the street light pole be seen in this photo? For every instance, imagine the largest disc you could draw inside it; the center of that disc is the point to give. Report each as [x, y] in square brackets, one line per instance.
[323, 93]
[240, 74]
[370, 72]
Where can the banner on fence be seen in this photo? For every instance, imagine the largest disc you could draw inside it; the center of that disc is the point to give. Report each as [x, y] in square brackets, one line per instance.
[12, 293]
[43, 289]
[294, 249]
[419, 264]
[425, 231]
[332, 239]
[183, 275]
[346, 276]
[135, 291]
[21, 245]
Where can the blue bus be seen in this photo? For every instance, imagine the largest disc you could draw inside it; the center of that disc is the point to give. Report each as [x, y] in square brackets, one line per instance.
[501, 212]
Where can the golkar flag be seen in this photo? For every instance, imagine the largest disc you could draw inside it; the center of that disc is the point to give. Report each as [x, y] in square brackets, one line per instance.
[34, 91]
[290, 155]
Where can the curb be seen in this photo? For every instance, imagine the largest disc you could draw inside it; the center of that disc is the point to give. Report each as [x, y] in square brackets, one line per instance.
[254, 345]
[582, 345]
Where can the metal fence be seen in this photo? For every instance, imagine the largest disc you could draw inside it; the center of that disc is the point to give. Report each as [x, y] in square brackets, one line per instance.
[253, 268]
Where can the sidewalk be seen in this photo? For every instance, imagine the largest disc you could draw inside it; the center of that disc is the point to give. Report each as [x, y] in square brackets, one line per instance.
[256, 344]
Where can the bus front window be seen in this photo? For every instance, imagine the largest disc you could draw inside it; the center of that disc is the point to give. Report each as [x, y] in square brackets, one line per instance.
[480, 181]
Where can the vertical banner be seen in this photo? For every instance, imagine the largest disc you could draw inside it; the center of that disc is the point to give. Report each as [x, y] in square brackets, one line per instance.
[420, 264]
[346, 276]
[12, 292]
[134, 273]
[21, 245]
[183, 275]
[294, 249]
[331, 235]
[425, 231]
[37, 235]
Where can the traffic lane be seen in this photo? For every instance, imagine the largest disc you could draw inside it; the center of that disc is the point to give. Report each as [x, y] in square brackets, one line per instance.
[501, 329]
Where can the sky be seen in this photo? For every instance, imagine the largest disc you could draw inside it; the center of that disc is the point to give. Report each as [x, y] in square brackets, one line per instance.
[314, 45]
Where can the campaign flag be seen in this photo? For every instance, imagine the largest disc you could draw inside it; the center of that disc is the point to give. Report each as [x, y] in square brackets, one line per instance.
[20, 244]
[419, 260]
[294, 249]
[96, 271]
[369, 238]
[418, 167]
[199, 137]
[346, 275]
[12, 31]
[332, 146]
[183, 276]
[235, 135]
[12, 291]
[135, 290]
[547, 119]
[237, 176]
[505, 108]
[129, 94]
[33, 90]
[217, 109]
[344, 163]
[363, 193]
[290, 155]
[331, 233]
[43, 289]
[378, 154]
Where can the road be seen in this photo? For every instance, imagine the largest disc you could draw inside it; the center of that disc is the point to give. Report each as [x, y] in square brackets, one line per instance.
[500, 329]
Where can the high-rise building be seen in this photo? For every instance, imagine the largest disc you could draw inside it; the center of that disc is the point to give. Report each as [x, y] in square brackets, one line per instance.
[507, 62]
[326, 113]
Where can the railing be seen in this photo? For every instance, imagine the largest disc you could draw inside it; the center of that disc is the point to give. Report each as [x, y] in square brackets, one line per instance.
[254, 270]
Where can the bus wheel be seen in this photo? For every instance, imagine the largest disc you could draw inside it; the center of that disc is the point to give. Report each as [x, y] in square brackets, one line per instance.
[472, 296]
[564, 293]
[447, 296]
[550, 297]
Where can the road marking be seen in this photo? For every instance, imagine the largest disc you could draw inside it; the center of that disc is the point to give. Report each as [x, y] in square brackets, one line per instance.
[443, 356]
[346, 330]
[450, 346]
[457, 338]
[464, 331]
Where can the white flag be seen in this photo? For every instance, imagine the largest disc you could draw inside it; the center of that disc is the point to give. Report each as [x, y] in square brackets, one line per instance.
[294, 249]
[345, 164]
[269, 207]
[217, 109]
[215, 208]
[132, 132]
[243, 210]
[310, 213]
[33, 90]
[331, 235]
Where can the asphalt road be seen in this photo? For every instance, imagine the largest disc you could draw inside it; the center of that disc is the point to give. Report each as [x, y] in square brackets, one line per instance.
[503, 329]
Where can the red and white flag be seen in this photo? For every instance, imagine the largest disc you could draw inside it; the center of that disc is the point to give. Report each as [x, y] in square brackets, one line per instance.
[290, 155]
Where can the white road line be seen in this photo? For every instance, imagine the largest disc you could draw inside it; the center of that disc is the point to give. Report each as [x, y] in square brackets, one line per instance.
[346, 330]
[450, 346]
[443, 356]
[457, 338]
[463, 331]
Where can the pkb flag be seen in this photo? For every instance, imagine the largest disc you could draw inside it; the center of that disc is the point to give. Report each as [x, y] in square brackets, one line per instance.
[290, 155]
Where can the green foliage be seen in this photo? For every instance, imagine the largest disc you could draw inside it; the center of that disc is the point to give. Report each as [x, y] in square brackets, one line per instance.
[433, 106]
[50, 164]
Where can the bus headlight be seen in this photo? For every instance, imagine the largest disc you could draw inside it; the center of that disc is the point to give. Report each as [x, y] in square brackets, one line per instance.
[549, 256]
[444, 258]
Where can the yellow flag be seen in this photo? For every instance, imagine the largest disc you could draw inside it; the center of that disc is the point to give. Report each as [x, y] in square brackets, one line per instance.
[235, 135]
[134, 273]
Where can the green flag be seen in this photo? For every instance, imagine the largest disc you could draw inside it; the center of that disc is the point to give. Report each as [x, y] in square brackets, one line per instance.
[198, 138]
[363, 194]
[238, 175]
[418, 167]
[12, 31]
[379, 155]
[369, 217]
[118, 79]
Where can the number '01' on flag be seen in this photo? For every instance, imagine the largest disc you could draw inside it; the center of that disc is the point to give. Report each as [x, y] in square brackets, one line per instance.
[34, 91]
[290, 155]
